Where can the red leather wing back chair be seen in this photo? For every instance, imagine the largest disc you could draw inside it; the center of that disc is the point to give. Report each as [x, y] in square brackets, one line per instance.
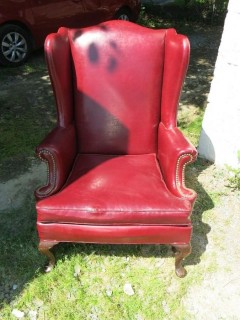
[116, 158]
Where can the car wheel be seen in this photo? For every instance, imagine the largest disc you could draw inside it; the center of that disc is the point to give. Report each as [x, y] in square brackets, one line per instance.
[15, 45]
[123, 14]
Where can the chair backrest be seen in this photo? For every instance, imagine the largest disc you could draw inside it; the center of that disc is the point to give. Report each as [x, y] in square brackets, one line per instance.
[117, 78]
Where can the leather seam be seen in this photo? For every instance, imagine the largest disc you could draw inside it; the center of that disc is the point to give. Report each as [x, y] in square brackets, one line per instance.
[51, 185]
[114, 225]
[113, 211]
[182, 182]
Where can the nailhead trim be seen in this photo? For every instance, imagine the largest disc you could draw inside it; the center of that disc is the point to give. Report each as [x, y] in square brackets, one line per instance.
[178, 182]
[51, 185]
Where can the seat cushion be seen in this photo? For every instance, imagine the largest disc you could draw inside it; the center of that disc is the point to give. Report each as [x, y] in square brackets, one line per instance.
[115, 190]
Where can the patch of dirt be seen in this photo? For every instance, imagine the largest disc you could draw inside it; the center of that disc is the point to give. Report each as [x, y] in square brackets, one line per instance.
[13, 192]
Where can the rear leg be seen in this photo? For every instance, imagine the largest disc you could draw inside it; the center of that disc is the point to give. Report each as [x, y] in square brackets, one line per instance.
[44, 247]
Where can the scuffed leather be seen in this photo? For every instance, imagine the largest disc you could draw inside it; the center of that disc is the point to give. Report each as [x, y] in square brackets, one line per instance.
[58, 150]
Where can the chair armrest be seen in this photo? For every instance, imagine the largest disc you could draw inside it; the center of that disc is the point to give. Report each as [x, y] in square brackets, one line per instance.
[174, 153]
[58, 150]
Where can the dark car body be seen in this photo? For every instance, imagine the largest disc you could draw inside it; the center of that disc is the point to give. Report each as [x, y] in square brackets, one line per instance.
[38, 18]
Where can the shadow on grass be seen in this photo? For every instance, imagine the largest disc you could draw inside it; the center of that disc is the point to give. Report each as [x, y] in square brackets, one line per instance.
[203, 203]
[20, 261]
[25, 94]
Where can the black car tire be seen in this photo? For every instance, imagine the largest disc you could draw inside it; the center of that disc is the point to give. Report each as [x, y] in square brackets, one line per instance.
[15, 45]
[123, 14]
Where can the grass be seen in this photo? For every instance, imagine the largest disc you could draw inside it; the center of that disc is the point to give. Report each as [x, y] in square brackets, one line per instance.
[88, 280]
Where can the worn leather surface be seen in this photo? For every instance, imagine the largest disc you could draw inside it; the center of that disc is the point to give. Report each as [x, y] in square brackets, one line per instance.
[116, 159]
[117, 100]
[115, 190]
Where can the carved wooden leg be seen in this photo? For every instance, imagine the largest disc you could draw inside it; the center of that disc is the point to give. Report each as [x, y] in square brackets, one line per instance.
[181, 251]
[44, 247]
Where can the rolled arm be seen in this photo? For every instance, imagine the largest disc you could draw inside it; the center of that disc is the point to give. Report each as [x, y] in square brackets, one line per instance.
[58, 150]
[174, 153]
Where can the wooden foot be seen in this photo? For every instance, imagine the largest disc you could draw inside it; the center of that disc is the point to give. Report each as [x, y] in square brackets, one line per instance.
[44, 247]
[181, 251]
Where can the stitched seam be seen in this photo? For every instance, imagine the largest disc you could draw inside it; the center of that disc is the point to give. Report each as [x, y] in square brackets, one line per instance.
[51, 185]
[121, 224]
[178, 182]
[122, 211]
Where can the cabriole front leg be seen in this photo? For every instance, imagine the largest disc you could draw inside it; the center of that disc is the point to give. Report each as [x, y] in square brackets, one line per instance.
[44, 247]
[181, 251]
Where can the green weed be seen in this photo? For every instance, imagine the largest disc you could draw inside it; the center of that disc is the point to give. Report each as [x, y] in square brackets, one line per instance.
[234, 178]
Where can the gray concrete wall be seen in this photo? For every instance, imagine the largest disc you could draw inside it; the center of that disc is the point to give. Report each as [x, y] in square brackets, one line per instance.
[220, 137]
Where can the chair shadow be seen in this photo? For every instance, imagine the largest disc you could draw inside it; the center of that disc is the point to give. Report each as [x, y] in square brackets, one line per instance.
[203, 203]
